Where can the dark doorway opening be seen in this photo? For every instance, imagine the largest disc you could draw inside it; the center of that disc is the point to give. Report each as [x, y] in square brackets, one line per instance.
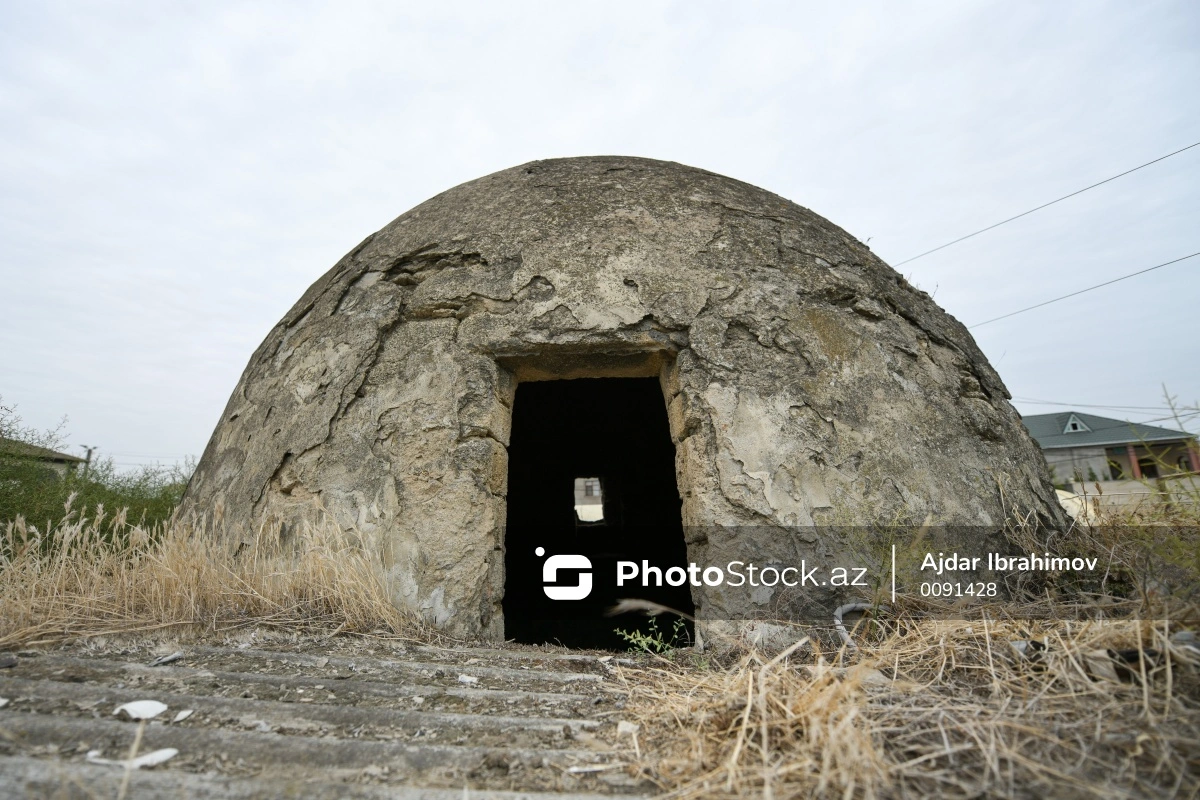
[591, 472]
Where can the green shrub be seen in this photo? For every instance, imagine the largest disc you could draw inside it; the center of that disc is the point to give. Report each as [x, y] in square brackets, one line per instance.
[653, 640]
[33, 490]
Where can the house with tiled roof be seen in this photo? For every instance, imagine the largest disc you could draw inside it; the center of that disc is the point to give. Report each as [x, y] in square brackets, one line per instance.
[1082, 447]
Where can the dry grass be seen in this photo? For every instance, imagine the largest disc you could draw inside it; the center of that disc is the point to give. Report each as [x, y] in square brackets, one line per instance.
[95, 576]
[939, 708]
[932, 709]
[944, 709]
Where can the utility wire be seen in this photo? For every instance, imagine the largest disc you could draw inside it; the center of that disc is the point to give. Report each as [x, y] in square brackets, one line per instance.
[1044, 205]
[1081, 291]
[1125, 423]
[1090, 405]
[1180, 418]
[150, 455]
[1128, 425]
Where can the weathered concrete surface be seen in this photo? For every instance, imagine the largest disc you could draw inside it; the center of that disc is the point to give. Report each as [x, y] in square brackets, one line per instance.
[354, 718]
[807, 383]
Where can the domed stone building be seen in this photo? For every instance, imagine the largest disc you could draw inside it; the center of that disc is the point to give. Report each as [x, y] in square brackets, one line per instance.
[619, 358]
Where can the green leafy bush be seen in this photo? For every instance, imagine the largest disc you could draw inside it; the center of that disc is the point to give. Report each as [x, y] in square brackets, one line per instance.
[32, 489]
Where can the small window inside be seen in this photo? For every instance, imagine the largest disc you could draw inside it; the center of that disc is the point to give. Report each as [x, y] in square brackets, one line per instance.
[1075, 425]
[589, 500]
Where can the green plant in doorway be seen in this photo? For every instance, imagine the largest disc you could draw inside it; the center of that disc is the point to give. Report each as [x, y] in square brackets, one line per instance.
[655, 641]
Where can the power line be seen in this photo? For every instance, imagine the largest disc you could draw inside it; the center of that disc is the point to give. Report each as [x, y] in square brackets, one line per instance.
[1081, 291]
[1128, 425]
[1090, 405]
[1044, 205]
[138, 464]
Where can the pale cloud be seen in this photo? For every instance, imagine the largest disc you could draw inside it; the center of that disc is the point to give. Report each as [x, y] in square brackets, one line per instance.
[175, 176]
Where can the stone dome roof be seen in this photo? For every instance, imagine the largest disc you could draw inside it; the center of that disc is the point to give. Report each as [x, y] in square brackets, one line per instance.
[807, 382]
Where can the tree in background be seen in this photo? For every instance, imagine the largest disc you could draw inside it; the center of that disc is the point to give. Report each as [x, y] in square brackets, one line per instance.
[44, 497]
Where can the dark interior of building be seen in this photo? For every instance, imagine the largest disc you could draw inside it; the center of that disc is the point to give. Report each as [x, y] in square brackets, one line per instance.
[591, 472]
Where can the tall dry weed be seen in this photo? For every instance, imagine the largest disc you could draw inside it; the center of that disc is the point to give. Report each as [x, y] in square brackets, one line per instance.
[1017, 702]
[941, 709]
[94, 575]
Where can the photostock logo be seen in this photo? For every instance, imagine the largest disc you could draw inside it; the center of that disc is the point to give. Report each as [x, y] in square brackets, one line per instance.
[550, 575]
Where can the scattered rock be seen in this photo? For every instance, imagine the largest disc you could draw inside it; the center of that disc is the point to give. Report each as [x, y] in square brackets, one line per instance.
[151, 759]
[140, 709]
[257, 725]
[1028, 649]
[1100, 666]
[161, 660]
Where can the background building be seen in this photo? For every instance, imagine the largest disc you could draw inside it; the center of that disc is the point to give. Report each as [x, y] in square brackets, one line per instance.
[14, 452]
[1129, 461]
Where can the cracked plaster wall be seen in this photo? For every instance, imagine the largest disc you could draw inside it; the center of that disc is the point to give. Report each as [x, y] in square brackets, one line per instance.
[806, 382]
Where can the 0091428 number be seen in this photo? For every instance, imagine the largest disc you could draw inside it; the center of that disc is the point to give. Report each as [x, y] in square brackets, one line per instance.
[948, 589]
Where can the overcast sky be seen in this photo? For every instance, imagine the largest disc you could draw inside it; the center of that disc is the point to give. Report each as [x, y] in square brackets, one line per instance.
[173, 176]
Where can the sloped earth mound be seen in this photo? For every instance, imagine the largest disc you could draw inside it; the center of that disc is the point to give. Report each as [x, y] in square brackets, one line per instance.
[303, 717]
